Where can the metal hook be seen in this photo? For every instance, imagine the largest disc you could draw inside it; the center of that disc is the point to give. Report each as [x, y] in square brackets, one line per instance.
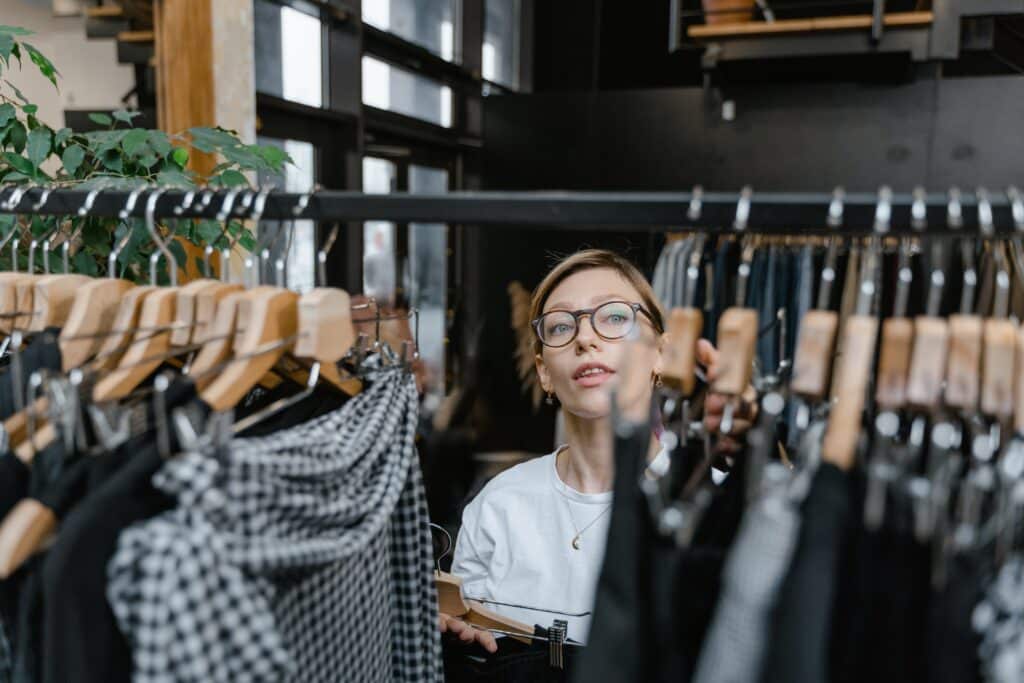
[835, 208]
[133, 198]
[919, 210]
[222, 214]
[114, 253]
[257, 213]
[696, 204]
[955, 211]
[186, 203]
[905, 278]
[970, 277]
[172, 263]
[90, 199]
[743, 209]
[42, 199]
[15, 198]
[986, 224]
[883, 212]
[321, 256]
[1017, 207]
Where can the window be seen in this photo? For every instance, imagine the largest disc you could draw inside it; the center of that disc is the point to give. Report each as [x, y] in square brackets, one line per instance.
[427, 277]
[289, 53]
[379, 176]
[389, 87]
[300, 264]
[429, 23]
[501, 42]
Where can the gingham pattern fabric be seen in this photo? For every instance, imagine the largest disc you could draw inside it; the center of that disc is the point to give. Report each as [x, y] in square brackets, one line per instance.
[302, 556]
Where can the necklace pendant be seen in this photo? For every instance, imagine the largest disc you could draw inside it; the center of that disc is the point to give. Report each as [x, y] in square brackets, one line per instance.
[576, 542]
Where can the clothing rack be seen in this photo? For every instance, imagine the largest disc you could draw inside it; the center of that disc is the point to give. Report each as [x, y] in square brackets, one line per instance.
[913, 213]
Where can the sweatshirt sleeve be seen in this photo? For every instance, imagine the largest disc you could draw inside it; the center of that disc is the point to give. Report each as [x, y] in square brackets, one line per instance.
[474, 549]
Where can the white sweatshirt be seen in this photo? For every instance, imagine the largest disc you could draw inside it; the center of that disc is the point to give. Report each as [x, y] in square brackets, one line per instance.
[515, 544]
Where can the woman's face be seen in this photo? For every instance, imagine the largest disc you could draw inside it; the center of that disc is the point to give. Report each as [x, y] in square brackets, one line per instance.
[584, 372]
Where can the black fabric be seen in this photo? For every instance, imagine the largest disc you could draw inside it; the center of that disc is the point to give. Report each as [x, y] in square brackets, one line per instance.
[42, 353]
[952, 644]
[655, 601]
[82, 641]
[514, 662]
[619, 638]
[14, 479]
[883, 602]
[799, 646]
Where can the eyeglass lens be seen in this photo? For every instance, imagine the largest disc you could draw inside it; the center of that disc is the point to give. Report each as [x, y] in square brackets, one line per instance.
[612, 320]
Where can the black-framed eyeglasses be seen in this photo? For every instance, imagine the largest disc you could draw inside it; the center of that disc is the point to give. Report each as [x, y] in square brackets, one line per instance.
[611, 320]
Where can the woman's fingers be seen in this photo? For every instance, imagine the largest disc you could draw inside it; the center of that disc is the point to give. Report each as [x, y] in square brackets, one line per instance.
[467, 634]
[707, 355]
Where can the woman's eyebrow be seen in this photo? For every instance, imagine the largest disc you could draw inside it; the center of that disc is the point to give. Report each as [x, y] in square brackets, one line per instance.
[566, 306]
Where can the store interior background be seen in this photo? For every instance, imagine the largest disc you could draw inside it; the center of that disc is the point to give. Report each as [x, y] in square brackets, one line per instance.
[433, 96]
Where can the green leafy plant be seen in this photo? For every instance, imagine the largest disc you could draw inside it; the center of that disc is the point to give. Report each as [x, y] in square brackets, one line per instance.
[120, 156]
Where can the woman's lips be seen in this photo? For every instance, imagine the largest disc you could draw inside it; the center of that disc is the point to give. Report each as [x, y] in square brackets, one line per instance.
[593, 376]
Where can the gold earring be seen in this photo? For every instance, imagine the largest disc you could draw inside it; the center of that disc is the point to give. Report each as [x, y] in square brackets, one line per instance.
[657, 379]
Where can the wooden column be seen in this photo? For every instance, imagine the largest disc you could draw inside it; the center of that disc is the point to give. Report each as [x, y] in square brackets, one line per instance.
[205, 64]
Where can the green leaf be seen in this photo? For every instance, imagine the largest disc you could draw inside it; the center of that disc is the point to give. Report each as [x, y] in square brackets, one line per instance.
[244, 157]
[19, 163]
[6, 46]
[72, 158]
[125, 116]
[159, 142]
[180, 258]
[170, 177]
[7, 114]
[85, 264]
[148, 160]
[16, 30]
[30, 108]
[17, 92]
[39, 146]
[62, 136]
[213, 137]
[134, 141]
[275, 157]
[232, 178]
[17, 137]
[200, 265]
[101, 119]
[208, 231]
[247, 240]
[16, 176]
[45, 65]
[180, 156]
[112, 161]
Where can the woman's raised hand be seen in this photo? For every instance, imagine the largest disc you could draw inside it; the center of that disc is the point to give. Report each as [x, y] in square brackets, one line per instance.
[714, 405]
[466, 633]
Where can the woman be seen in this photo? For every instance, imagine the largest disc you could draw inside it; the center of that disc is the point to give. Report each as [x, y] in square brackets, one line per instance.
[535, 535]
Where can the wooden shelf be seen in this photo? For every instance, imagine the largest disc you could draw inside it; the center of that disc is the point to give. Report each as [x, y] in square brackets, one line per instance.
[758, 29]
[104, 12]
[135, 37]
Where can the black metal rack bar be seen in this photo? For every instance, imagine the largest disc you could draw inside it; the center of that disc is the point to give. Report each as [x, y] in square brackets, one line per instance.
[771, 213]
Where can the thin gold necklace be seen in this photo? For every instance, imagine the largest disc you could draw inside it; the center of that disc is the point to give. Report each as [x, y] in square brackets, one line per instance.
[579, 532]
[576, 540]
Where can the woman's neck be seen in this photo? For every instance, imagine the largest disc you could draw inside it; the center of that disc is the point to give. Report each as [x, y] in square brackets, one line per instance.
[588, 463]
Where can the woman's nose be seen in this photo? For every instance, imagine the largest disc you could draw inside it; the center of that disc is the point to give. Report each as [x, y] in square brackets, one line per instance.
[586, 335]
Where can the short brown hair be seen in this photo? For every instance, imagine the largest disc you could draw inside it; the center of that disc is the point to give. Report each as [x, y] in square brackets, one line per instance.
[589, 259]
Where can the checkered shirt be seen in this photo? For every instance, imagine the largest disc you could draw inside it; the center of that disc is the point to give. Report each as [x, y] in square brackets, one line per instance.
[301, 556]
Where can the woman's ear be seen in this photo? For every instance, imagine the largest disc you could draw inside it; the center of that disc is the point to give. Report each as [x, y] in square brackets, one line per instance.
[659, 358]
[543, 374]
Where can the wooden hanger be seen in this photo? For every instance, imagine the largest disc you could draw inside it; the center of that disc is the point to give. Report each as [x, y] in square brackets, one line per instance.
[1000, 345]
[326, 333]
[737, 340]
[152, 338]
[963, 382]
[855, 366]
[126, 320]
[685, 325]
[93, 313]
[931, 346]
[265, 316]
[207, 309]
[812, 361]
[217, 340]
[451, 602]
